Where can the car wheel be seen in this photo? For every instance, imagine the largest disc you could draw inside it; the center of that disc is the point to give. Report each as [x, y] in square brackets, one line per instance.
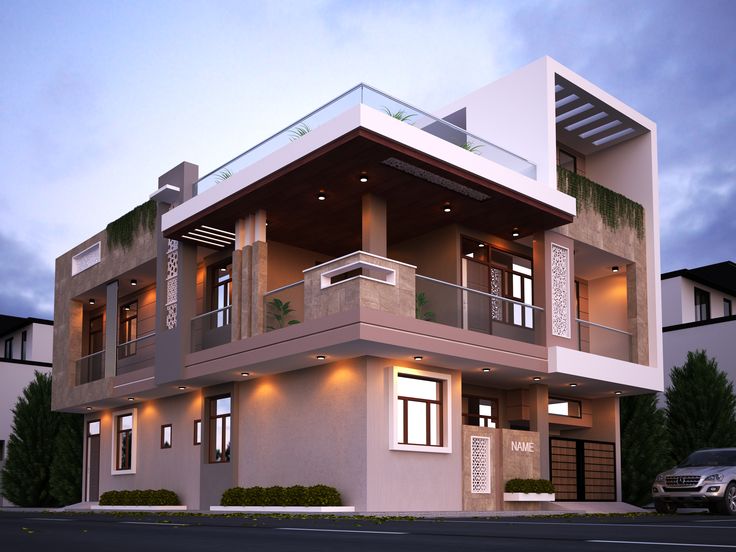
[728, 506]
[663, 507]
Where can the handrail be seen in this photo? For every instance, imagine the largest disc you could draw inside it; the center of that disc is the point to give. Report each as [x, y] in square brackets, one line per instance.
[483, 293]
[141, 338]
[284, 288]
[211, 312]
[91, 355]
[589, 323]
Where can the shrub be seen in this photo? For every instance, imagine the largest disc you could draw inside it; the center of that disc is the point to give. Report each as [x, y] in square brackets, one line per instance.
[529, 486]
[147, 497]
[297, 495]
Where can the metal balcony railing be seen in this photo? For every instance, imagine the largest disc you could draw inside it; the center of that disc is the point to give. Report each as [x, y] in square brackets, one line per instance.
[603, 340]
[90, 368]
[211, 329]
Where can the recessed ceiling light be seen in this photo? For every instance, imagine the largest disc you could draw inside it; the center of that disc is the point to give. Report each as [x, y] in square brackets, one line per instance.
[515, 233]
[89, 408]
[573, 385]
[245, 374]
[223, 269]
[418, 357]
[131, 399]
[614, 269]
[364, 179]
[320, 357]
[321, 195]
[91, 301]
[134, 282]
[486, 370]
[617, 392]
[481, 245]
[126, 307]
[182, 387]
[447, 208]
[536, 378]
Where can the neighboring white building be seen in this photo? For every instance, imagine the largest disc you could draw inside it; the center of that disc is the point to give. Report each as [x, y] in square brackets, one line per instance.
[697, 313]
[27, 348]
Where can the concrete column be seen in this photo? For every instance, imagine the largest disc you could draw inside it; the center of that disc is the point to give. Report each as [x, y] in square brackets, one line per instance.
[636, 306]
[259, 273]
[374, 225]
[111, 330]
[539, 422]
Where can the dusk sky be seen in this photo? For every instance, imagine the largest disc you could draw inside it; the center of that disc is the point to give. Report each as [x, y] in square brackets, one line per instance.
[99, 98]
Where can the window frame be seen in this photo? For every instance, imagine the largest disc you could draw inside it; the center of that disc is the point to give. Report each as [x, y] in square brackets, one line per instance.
[560, 153]
[8, 353]
[445, 414]
[23, 344]
[727, 307]
[212, 418]
[127, 329]
[133, 442]
[197, 435]
[569, 401]
[701, 294]
[494, 411]
[164, 427]
[223, 317]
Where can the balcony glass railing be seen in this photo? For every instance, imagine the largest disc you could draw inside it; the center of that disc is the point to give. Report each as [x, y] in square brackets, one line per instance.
[284, 306]
[136, 353]
[367, 95]
[91, 367]
[603, 340]
[475, 310]
[211, 329]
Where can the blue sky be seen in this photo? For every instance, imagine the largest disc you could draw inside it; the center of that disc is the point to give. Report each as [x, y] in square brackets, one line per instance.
[100, 98]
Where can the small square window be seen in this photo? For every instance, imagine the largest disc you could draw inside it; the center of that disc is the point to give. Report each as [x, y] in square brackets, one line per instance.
[565, 407]
[197, 432]
[166, 436]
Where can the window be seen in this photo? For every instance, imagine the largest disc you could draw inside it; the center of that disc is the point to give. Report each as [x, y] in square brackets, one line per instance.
[9, 348]
[2, 450]
[222, 292]
[568, 161]
[128, 330]
[727, 311]
[565, 407]
[480, 412]
[197, 432]
[166, 436]
[419, 409]
[219, 429]
[23, 344]
[93, 428]
[702, 305]
[124, 442]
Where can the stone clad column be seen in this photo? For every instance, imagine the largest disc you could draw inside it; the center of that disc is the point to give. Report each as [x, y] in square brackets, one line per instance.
[539, 422]
[374, 225]
[259, 273]
[111, 330]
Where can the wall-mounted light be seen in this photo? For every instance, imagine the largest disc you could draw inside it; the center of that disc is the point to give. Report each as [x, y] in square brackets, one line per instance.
[320, 357]
[418, 357]
[133, 282]
[515, 233]
[614, 269]
[245, 374]
[321, 195]
[91, 301]
[447, 208]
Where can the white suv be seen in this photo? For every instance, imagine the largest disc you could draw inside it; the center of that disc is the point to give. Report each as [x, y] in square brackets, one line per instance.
[706, 478]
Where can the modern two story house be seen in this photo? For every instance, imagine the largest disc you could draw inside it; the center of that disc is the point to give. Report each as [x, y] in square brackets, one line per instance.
[410, 307]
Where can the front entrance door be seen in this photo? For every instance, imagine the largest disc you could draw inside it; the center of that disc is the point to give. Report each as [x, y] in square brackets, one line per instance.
[583, 470]
[92, 483]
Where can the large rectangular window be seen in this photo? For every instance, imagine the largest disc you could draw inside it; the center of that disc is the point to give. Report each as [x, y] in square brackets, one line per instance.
[419, 411]
[128, 331]
[480, 412]
[702, 305]
[124, 442]
[219, 434]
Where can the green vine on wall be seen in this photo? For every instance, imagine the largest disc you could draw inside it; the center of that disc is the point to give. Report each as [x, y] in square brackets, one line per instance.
[121, 232]
[615, 209]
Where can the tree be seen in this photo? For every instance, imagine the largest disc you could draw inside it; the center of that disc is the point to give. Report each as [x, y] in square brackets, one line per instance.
[643, 446]
[65, 482]
[701, 407]
[32, 447]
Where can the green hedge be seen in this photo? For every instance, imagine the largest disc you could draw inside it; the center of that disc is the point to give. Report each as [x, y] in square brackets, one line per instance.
[147, 497]
[317, 495]
[529, 486]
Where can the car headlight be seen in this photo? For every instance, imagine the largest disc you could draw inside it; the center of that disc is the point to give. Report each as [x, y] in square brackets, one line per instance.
[714, 477]
[660, 478]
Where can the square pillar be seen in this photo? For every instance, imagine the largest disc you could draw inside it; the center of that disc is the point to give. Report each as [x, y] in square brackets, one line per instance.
[539, 422]
[111, 330]
[374, 225]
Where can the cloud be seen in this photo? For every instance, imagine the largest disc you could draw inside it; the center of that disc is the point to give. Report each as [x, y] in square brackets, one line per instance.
[26, 282]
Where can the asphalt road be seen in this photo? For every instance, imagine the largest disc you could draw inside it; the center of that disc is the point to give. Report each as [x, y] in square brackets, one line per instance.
[55, 532]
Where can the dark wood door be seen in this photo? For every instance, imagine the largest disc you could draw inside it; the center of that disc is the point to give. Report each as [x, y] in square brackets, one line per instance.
[93, 461]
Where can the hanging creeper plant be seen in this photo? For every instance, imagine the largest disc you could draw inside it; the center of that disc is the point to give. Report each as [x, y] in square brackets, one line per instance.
[615, 209]
[121, 232]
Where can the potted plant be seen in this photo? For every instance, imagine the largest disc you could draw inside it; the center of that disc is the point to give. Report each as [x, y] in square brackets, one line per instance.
[279, 311]
[529, 490]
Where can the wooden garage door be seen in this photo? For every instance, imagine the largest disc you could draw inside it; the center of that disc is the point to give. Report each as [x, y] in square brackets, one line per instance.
[583, 470]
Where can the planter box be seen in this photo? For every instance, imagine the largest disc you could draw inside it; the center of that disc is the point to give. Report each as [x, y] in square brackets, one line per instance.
[283, 509]
[141, 508]
[529, 497]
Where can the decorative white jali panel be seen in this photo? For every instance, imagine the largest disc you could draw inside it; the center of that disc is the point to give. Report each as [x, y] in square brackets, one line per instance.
[560, 291]
[86, 259]
[480, 464]
[172, 282]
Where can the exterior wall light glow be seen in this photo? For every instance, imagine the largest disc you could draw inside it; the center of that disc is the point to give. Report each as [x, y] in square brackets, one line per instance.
[515, 233]
[321, 195]
[364, 179]
[126, 307]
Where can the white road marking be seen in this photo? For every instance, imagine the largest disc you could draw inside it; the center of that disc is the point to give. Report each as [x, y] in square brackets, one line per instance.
[48, 519]
[624, 525]
[666, 544]
[342, 531]
[155, 523]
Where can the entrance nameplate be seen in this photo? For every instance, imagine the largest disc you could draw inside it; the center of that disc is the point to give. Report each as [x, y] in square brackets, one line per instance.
[522, 446]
